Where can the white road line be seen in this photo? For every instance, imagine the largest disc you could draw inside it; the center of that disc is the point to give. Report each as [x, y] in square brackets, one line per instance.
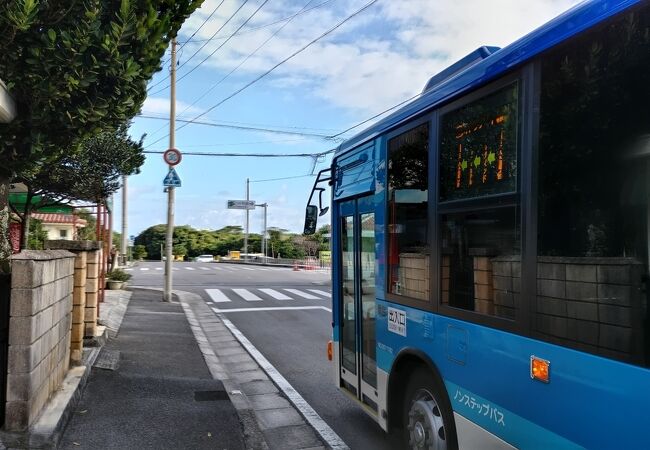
[275, 294]
[219, 268]
[159, 268]
[144, 268]
[271, 308]
[189, 268]
[128, 270]
[247, 268]
[319, 292]
[326, 433]
[302, 294]
[217, 296]
[204, 268]
[247, 295]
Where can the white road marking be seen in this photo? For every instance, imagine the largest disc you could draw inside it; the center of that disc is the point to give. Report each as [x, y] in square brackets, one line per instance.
[270, 308]
[247, 268]
[144, 268]
[275, 294]
[302, 294]
[128, 270]
[319, 292]
[189, 268]
[218, 268]
[326, 433]
[204, 268]
[247, 295]
[217, 296]
[159, 268]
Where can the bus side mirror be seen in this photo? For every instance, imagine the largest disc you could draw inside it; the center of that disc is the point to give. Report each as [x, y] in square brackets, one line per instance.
[311, 217]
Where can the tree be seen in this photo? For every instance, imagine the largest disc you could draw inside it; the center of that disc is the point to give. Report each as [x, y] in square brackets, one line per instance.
[89, 232]
[93, 173]
[37, 235]
[75, 69]
[139, 252]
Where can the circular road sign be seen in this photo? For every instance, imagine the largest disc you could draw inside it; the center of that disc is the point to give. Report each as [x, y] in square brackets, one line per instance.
[172, 156]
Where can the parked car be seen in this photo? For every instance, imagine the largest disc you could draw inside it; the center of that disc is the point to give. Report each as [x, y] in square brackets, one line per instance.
[204, 258]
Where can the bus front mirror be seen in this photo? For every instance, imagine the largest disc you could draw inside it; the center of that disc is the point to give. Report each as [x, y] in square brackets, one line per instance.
[311, 217]
[324, 211]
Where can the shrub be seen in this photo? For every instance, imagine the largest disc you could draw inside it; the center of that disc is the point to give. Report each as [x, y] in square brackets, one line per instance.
[118, 275]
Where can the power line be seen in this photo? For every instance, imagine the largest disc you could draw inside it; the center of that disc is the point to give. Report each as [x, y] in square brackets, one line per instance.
[270, 24]
[334, 136]
[243, 127]
[247, 58]
[248, 155]
[201, 47]
[202, 24]
[283, 178]
[219, 47]
[356, 13]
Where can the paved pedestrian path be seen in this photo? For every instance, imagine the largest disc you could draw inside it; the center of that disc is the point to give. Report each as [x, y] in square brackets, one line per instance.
[161, 395]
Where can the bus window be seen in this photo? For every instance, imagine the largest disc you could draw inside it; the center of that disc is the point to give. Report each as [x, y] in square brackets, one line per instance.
[594, 172]
[408, 197]
[480, 243]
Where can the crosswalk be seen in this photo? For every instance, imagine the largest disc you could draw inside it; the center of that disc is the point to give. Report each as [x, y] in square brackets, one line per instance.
[212, 268]
[260, 294]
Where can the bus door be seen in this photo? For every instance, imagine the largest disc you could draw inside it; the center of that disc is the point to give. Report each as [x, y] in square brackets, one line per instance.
[357, 345]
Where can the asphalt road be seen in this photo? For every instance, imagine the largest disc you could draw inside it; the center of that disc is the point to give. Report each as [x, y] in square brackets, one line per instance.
[293, 339]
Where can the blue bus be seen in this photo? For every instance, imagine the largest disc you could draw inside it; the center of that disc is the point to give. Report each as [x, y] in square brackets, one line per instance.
[490, 245]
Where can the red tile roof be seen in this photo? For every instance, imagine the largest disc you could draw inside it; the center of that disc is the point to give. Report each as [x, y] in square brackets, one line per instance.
[59, 218]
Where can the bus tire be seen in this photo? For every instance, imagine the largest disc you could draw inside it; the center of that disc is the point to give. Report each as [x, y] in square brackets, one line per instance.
[428, 421]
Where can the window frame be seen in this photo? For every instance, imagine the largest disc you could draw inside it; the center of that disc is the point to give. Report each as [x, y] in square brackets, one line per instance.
[428, 118]
[519, 199]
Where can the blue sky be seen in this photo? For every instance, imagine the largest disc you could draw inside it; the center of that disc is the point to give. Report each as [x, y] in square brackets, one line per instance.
[374, 61]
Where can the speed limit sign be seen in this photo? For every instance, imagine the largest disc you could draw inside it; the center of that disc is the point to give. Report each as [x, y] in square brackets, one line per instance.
[172, 156]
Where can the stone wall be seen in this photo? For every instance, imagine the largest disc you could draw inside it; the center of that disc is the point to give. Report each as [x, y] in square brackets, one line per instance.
[39, 332]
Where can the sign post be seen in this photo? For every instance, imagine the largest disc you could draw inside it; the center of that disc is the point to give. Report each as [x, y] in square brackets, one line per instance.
[172, 157]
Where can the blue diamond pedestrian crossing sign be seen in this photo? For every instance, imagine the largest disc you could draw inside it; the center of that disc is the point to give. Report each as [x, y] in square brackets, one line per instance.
[172, 179]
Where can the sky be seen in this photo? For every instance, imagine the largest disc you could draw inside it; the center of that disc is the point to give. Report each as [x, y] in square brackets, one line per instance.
[375, 60]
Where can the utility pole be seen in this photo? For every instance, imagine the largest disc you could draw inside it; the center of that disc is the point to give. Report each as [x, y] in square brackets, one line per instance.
[169, 239]
[265, 240]
[124, 249]
[246, 235]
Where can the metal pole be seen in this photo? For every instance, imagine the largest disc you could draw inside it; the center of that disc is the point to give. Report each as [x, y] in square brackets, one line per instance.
[169, 238]
[265, 241]
[124, 245]
[246, 234]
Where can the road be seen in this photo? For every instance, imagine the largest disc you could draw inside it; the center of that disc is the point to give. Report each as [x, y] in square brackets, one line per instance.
[293, 338]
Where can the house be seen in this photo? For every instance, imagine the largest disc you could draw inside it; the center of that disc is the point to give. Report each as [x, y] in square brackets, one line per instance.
[60, 226]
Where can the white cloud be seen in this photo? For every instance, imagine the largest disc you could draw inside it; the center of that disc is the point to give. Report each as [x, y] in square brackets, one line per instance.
[378, 58]
[160, 106]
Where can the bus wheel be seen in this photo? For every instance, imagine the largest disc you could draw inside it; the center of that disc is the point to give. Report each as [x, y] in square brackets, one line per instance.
[427, 417]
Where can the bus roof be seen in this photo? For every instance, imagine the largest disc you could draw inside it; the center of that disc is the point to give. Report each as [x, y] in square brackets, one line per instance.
[476, 74]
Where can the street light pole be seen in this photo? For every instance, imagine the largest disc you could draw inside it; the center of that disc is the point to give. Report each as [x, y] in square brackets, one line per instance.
[246, 234]
[169, 238]
[124, 247]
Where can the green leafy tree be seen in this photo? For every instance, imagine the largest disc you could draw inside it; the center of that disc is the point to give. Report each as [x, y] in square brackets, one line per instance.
[139, 252]
[37, 235]
[89, 232]
[92, 173]
[75, 69]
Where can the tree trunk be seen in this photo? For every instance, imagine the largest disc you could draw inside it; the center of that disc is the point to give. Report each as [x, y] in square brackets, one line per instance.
[5, 216]
[27, 212]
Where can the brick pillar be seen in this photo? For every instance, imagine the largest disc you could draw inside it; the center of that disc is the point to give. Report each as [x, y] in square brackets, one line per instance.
[78, 307]
[86, 285]
[92, 294]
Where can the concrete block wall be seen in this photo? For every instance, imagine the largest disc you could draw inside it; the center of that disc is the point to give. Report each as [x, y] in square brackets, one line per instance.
[39, 332]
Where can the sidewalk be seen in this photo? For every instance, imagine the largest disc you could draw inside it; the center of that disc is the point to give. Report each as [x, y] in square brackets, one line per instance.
[155, 390]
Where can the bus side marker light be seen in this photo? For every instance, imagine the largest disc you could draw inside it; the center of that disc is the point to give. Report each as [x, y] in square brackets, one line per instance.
[539, 369]
[330, 350]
